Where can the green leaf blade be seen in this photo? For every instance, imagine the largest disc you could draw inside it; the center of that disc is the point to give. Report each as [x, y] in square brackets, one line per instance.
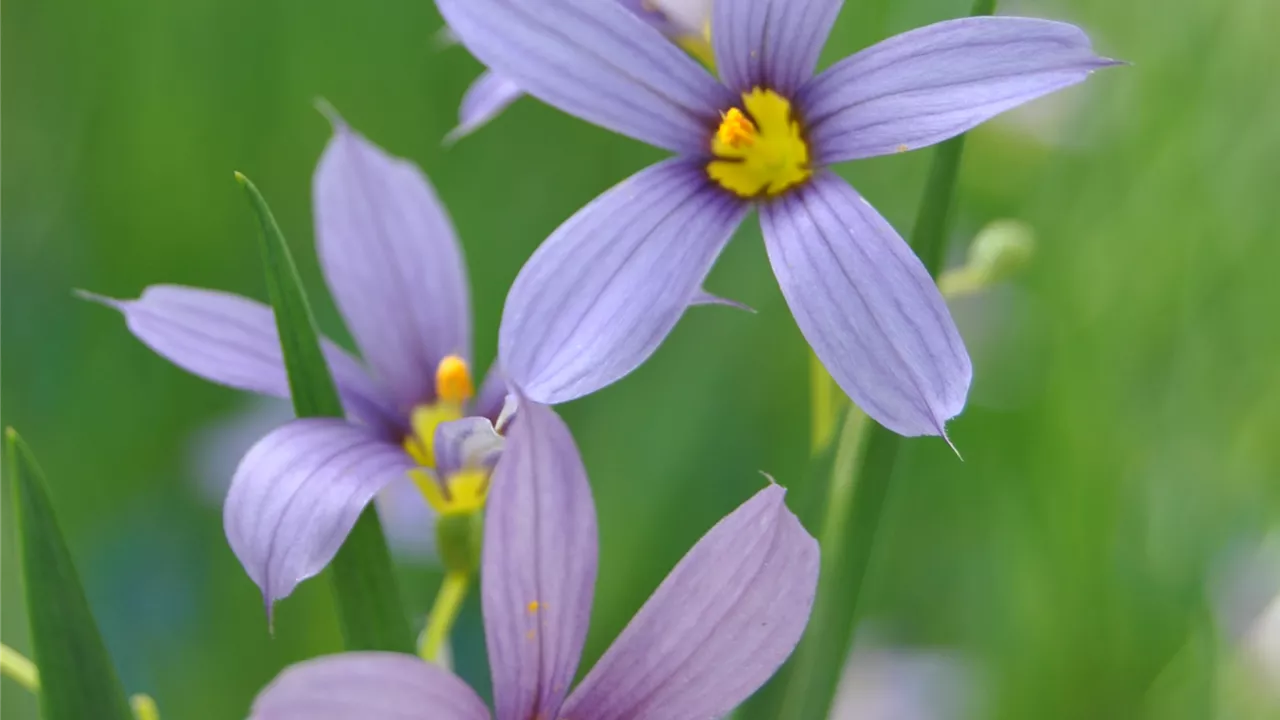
[364, 583]
[77, 678]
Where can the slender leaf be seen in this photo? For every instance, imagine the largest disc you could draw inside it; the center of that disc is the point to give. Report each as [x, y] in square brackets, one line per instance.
[364, 582]
[77, 679]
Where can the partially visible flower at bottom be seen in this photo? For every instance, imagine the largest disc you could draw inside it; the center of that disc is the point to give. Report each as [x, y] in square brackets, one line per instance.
[713, 632]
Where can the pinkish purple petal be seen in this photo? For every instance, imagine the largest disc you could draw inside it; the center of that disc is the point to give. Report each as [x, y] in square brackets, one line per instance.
[488, 96]
[232, 340]
[393, 263]
[935, 82]
[599, 296]
[367, 686]
[770, 43]
[298, 492]
[716, 628]
[539, 566]
[598, 61]
[867, 306]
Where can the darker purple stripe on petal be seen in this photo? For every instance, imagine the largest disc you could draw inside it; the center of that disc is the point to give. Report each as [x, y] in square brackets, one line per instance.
[601, 293]
[867, 307]
[717, 627]
[932, 83]
[598, 61]
[298, 492]
[539, 565]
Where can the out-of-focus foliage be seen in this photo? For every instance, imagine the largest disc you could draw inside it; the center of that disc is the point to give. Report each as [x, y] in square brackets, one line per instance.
[1119, 444]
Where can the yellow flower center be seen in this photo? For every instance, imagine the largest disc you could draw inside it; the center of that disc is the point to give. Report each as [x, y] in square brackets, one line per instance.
[761, 151]
[464, 491]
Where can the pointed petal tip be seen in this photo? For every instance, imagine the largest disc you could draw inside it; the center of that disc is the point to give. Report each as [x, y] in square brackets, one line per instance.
[702, 297]
[330, 113]
[943, 433]
[99, 299]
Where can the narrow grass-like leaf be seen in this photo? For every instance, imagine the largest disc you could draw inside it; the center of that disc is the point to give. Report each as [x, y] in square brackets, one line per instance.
[77, 679]
[364, 582]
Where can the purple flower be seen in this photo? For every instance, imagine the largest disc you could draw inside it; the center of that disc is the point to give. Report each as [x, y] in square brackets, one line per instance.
[600, 294]
[396, 271]
[715, 629]
[682, 21]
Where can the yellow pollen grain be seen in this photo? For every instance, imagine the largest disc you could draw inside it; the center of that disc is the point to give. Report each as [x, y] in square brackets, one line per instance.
[902, 148]
[453, 380]
[533, 606]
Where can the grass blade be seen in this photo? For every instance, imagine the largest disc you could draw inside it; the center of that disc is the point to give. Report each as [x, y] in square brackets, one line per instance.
[364, 583]
[77, 679]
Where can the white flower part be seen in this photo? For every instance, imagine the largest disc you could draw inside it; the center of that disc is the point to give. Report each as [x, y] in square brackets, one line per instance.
[881, 683]
[691, 16]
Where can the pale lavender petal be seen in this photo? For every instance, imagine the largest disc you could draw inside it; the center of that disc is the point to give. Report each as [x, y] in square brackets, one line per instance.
[702, 297]
[539, 566]
[599, 296]
[298, 492]
[598, 61]
[716, 628]
[867, 306]
[393, 263]
[232, 340]
[407, 521]
[673, 18]
[488, 96]
[492, 394]
[770, 43]
[935, 82]
[367, 685]
[467, 443]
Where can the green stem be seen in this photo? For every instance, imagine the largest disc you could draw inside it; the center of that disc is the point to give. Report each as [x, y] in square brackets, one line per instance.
[860, 483]
[444, 613]
[16, 666]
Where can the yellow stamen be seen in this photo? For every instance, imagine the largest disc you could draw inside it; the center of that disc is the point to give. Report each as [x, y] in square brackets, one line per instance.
[425, 419]
[461, 493]
[736, 130]
[144, 707]
[763, 154]
[453, 380]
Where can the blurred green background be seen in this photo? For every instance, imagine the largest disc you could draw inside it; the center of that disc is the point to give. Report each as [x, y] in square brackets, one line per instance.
[1121, 445]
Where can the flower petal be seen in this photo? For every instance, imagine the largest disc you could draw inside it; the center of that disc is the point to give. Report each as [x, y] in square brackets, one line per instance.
[770, 43]
[492, 395]
[408, 522]
[360, 685]
[867, 306]
[489, 95]
[598, 61]
[599, 296]
[717, 627]
[467, 443]
[298, 492]
[393, 263]
[232, 340]
[935, 82]
[539, 566]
